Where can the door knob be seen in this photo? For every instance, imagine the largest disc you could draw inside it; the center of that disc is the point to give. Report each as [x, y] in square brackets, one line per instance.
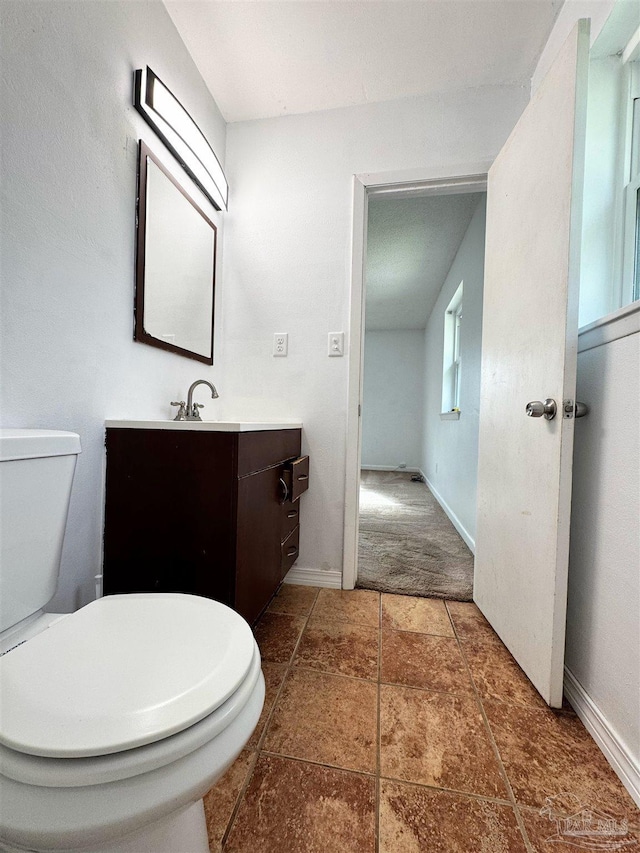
[537, 409]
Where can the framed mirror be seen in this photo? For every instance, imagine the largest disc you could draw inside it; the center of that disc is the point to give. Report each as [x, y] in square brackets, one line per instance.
[175, 265]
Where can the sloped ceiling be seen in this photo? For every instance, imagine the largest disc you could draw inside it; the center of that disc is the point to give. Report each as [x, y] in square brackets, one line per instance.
[411, 244]
[263, 58]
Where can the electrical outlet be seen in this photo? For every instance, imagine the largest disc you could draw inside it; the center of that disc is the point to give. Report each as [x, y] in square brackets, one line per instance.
[336, 343]
[281, 343]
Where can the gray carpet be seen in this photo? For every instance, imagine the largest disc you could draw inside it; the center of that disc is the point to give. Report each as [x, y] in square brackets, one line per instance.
[407, 544]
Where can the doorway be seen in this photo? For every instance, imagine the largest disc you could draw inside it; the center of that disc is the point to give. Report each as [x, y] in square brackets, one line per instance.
[401, 534]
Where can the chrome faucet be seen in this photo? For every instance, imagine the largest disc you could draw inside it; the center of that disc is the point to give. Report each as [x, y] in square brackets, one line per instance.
[192, 408]
[189, 411]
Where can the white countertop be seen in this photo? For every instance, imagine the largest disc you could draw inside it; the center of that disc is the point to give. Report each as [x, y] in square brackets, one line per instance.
[206, 426]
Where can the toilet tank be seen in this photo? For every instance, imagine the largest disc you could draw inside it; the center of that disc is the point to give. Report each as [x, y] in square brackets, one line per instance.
[36, 473]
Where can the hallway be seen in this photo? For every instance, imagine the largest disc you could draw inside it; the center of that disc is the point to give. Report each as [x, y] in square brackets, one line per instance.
[406, 543]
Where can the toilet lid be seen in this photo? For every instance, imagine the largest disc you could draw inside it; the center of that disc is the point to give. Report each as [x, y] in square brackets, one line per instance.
[124, 671]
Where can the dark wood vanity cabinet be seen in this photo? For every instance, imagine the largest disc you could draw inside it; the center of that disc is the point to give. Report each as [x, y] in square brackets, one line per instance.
[205, 512]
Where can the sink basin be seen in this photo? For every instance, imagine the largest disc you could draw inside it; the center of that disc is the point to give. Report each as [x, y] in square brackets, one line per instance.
[210, 426]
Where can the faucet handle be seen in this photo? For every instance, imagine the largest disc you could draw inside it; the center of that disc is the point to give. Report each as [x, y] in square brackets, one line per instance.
[182, 411]
[194, 414]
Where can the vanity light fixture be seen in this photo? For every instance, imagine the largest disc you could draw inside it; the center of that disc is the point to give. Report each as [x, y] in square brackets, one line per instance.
[182, 136]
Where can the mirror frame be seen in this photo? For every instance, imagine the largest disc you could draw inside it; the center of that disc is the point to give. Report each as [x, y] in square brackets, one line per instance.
[140, 334]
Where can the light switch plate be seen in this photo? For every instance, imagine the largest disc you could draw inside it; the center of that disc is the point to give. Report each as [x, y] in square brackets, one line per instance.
[281, 344]
[336, 344]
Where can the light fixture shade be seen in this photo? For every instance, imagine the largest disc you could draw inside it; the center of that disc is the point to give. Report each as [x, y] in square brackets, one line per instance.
[182, 136]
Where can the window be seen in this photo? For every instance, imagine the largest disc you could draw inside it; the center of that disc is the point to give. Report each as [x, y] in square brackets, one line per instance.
[610, 252]
[451, 360]
[631, 241]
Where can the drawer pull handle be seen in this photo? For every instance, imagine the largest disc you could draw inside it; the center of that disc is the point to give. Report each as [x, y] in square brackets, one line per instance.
[303, 476]
[291, 551]
[292, 513]
[285, 490]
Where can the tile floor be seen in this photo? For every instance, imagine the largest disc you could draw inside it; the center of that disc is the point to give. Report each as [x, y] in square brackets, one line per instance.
[395, 724]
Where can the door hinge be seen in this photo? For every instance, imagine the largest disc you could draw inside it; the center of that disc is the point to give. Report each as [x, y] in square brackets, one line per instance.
[359, 409]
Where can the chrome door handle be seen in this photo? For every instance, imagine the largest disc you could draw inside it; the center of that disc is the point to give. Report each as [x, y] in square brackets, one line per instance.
[537, 409]
[285, 490]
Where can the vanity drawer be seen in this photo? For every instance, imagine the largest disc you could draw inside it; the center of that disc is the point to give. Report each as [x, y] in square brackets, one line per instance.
[260, 450]
[290, 548]
[290, 518]
[296, 476]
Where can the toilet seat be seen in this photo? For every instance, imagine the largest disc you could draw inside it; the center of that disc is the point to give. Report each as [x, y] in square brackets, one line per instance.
[76, 691]
[99, 770]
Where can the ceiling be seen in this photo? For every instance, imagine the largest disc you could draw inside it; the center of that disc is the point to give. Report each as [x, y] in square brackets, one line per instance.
[263, 58]
[411, 244]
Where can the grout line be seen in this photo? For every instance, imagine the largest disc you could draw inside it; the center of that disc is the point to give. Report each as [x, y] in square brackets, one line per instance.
[319, 620]
[368, 773]
[267, 722]
[468, 694]
[303, 667]
[501, 767]
[239, 798]
[456, 792]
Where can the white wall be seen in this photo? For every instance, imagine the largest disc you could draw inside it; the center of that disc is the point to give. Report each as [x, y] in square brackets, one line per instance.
[572, 10]
[69, 158]
[392, 398]
[603, 628]
[450, 447]
[287, 260]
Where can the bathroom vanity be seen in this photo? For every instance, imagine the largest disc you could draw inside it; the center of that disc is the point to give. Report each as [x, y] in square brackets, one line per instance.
[210, 508]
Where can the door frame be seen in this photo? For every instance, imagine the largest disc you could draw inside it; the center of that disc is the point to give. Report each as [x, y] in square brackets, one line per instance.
[440, 180]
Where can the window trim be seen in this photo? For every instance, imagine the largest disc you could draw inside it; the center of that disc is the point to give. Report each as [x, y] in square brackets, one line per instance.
[452, 356]
[630, 225]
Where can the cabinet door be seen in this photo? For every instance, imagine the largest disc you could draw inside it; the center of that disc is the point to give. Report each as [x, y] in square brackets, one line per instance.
[258, 541]
[169, 512]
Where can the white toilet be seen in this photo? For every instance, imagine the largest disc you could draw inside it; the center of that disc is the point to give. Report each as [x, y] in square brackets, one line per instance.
[116, 719]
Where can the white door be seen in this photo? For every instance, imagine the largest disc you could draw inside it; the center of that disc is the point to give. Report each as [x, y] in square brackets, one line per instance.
[529, 353]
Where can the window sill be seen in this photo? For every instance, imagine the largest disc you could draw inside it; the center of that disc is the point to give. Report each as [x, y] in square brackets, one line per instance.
[449, 416]
[625, 321]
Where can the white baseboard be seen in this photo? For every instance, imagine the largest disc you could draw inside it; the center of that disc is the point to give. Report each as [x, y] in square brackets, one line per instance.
[453, 518]
[314, 577]
[397, 468]
[615, 751]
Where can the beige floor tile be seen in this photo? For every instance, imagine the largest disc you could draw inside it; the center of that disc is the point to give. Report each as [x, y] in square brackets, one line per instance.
[551, 754]
[422, 660]
[295, 807]
[277, 635]
[220, 801]
[496, 674]
[469, 621]
[437, 739]
[293, 599]
[424, 615]
[361, 606]
[339, 647]
[313, 789]
[273, 676]
[414, 819]
[325, 718]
